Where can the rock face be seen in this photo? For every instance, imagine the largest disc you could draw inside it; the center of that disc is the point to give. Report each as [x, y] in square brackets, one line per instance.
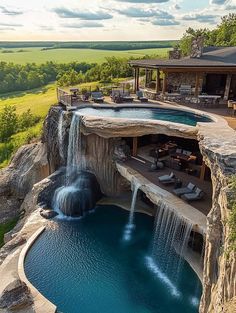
[28, 166]
[218, 146]
[15, 296]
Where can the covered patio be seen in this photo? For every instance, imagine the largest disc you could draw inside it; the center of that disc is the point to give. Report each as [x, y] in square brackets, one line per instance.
[209, 80]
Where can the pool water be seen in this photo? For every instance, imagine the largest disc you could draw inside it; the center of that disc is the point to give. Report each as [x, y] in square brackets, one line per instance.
[174, 116]
[84, 266]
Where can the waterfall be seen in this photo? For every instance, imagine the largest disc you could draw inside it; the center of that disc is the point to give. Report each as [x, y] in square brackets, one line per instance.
[170, 240]
[77, 198]
[130, 226]
[81, 190]
[73, 146]
[60, 135]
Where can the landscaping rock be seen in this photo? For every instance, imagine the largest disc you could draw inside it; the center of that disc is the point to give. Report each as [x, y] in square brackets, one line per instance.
[15, 296]
[48, 214]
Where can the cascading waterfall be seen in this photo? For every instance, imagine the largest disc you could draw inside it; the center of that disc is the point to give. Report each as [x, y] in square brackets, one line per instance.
[81, 189]
[60, 135]
[170, 242]
[73, 146]
[130, 226]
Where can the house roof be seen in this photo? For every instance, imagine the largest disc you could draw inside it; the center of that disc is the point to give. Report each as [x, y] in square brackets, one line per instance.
[224, 57]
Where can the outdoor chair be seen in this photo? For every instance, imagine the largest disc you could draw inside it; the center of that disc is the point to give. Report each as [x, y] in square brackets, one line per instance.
[97, 96]
[141, 97]
[184, 190]
[198, 194]
[126, 97]
[116, 96]
[167, 179]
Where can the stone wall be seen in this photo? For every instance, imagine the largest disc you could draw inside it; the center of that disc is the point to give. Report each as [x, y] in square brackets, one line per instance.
[178, 79]
[218, 147]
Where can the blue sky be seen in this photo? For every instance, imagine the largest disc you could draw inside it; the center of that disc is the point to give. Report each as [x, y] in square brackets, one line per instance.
[107, 19]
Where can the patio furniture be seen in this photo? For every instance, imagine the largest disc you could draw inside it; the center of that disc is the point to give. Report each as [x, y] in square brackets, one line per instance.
[116, 96]
[141, 97]
[126, 97]
[185, 90]
[232, 106]
[167, 179]
[198, 194]
[85, 97]
[97, 96]
[208, 101]
[181, 191]
[74, 94]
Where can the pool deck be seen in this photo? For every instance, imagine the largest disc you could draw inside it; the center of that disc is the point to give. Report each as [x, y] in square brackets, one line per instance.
[221, 112]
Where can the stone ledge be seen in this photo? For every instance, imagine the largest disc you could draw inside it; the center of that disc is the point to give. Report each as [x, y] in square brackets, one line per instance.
[41, 304]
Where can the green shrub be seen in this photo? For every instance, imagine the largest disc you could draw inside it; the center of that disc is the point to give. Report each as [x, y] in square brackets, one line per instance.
[27, 119]
[8, 122]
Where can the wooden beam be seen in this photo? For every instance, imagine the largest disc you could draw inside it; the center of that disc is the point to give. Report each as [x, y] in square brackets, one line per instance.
[158, 81]
[135, 146]
[227, 86]
[203, 171]
[137, 86]
[146, 77]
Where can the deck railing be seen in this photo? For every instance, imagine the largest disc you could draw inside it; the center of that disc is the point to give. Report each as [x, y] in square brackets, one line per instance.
[64, 97]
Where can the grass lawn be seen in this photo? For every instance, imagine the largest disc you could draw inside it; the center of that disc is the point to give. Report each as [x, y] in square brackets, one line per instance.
[37, 100]
[38, 56]
[6, 227]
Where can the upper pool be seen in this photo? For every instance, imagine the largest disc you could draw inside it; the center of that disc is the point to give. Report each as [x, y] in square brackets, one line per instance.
[171, 115]
[85, 266]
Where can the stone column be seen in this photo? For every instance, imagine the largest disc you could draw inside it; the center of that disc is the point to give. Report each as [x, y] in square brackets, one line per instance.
[158, 81]
[227, 86]
[164, 87]
[197, 84]
[146, 77]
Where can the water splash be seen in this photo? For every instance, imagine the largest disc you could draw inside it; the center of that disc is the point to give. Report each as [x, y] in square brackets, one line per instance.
[130, 226]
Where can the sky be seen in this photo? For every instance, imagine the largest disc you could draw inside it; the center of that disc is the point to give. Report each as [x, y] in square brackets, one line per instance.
[93, 20]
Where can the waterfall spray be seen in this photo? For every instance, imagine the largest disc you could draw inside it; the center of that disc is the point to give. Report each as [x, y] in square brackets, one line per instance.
[130, 226]
[60, 135]
[170, 240]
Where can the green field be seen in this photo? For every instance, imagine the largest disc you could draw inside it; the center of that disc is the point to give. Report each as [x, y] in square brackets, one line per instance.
[37, 100]
[38, 56]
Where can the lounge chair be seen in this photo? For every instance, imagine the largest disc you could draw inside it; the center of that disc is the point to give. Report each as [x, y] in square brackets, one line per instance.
[198, 194]
[141, 97]
[116, 96]
[167, 179]
[125, 96]
[97, 96]
[184, 190]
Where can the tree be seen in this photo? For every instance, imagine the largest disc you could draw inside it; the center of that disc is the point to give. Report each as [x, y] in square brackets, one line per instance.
[8, 122]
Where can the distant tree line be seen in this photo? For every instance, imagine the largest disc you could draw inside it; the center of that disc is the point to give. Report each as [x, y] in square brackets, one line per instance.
[101, 45]
[224, 35]
[15, 77]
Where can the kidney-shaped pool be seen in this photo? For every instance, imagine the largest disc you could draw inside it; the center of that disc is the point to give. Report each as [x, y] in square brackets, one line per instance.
[171, 115]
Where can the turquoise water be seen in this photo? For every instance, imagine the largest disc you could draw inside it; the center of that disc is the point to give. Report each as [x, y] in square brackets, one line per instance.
[83, 266]
[175, 116]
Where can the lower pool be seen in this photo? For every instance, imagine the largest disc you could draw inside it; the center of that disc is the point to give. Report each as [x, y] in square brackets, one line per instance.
[171, 115]
[84, 266]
